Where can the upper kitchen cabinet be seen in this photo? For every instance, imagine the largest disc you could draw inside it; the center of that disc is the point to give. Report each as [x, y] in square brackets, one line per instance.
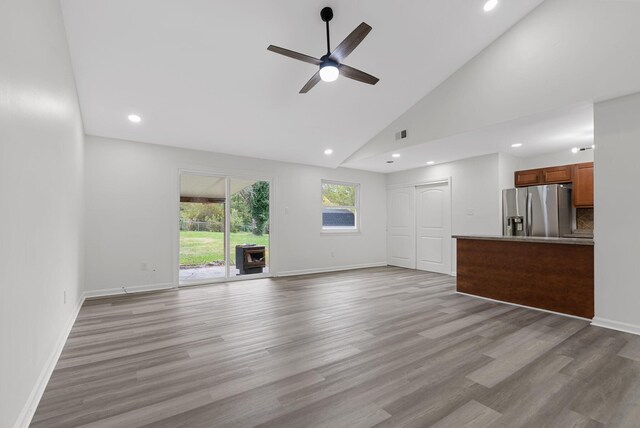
[557, 174]
[583, 185]
[551, 175]
[529, 177]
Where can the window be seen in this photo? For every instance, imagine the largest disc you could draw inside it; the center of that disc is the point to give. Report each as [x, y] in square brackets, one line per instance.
[340, 206]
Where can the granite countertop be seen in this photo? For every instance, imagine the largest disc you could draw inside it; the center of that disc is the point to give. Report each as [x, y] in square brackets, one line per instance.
[533, 239]
[587, 235]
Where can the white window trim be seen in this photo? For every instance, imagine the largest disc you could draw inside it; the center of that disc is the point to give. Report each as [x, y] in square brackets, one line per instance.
[341, 230]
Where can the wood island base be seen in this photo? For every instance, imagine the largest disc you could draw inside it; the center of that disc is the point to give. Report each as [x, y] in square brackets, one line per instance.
[552, 276]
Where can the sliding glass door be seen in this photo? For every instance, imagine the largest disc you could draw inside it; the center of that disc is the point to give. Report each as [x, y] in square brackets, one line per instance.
[224, 228]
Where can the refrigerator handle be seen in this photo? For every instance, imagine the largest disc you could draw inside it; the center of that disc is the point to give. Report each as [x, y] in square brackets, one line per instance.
[528, 216]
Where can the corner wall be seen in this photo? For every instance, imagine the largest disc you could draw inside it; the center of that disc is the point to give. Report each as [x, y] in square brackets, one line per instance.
[41, 156]
[131, 213]
[617, 235]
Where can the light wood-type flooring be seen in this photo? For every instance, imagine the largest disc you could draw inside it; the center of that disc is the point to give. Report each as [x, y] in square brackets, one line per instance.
[382, 347]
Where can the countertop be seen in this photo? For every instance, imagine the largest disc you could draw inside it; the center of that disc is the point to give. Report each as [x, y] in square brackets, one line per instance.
[579, 235]
[532, 239]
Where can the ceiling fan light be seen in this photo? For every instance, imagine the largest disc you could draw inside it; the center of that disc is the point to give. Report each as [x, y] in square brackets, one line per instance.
[329, 71]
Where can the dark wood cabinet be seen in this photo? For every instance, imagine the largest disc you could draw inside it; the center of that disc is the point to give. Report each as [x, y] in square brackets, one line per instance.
[580, 175]
[529, 177]
[557, 174]
[552, 175]
[583, 185]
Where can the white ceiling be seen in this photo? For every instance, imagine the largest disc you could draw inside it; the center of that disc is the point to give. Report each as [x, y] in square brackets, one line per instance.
[199, 74]
[540, 134]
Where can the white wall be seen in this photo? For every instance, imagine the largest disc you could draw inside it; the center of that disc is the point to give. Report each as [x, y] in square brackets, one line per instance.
[565, 157]
[507, 166]
[475, 193]
[564, 53]
[617, 235]
[41, 143]
[132, 213]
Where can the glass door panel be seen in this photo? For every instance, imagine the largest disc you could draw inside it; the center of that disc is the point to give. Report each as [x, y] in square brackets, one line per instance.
[202, 228]
[248, 227]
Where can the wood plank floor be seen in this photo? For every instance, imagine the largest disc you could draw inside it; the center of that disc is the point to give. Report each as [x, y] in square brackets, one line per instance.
[382, 347]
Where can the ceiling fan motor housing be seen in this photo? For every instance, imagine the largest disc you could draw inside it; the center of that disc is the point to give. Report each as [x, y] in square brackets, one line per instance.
[327, 62]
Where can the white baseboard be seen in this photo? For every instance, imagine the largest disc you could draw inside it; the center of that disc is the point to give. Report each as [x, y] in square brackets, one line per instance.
[616, 325]
[130, 290]
[29, 409]
[523, 306]
[330, 269]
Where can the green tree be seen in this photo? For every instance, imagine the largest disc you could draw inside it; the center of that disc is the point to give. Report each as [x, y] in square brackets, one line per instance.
[259, 206]
[250, 209]
[240, 220]
[212, 214]
[338, 195]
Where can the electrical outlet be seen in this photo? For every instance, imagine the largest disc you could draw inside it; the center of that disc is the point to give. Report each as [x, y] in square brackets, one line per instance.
[144, 266]
[332, 255]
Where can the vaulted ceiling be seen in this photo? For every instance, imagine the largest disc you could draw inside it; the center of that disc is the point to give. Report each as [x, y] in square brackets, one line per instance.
[199, 74]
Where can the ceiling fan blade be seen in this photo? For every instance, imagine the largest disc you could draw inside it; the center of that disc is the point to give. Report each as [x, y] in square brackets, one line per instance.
[351, 42]
[355, 74]
[294, 55]
[311, 83]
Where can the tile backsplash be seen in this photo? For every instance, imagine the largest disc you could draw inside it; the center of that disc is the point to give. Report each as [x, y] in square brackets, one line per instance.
[584, 218]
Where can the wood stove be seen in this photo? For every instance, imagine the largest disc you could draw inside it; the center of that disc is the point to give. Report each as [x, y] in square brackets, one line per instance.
[250, 259]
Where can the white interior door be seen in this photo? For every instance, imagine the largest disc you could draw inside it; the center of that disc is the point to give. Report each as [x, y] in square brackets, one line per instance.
[433, 231]
[401, 227]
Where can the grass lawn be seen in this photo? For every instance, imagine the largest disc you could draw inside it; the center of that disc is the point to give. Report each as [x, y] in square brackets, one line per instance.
[199, 248]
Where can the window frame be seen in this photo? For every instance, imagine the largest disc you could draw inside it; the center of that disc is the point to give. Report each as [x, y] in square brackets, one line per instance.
[341, 230]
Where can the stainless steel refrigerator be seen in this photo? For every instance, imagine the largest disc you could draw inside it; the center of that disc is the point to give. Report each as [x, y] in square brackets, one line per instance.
[537, 211]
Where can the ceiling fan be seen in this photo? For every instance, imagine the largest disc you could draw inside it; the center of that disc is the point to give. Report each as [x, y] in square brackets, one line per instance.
[331, 63]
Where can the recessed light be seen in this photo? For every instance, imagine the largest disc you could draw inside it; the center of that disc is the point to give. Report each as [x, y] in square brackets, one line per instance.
[593, 146]
[490, 5]
[430, 163]
[575, 150]
[395, 155]
[328, 152]
[516, 145]
[134, 118]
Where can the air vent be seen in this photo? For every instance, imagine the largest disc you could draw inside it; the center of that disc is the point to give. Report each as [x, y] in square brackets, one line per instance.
[401, 135]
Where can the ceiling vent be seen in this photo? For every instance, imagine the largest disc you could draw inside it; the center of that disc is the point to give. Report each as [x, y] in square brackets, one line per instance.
[401, 135]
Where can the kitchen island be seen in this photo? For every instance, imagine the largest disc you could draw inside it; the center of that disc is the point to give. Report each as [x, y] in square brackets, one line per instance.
[555, 274]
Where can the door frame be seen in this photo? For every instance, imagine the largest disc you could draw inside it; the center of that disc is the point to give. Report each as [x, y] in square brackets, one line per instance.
[228, 176]
[436, 181]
